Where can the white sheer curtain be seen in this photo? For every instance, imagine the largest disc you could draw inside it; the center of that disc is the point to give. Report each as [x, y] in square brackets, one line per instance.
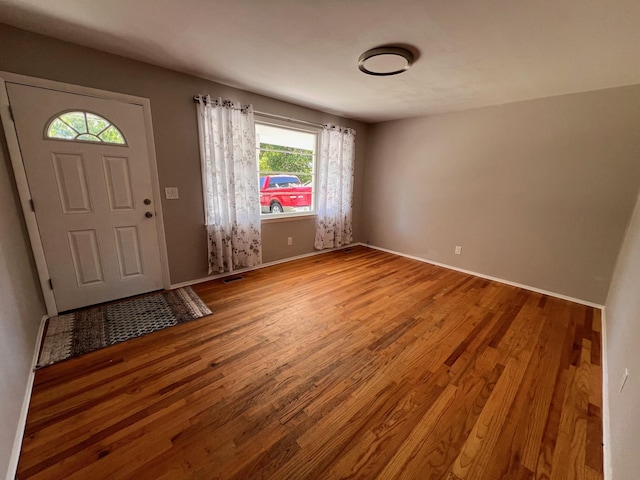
[230, 184]
[335, 187]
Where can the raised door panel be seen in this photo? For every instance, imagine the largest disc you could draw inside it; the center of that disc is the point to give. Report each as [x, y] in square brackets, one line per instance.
[128, 248]
[71, 180]
[87, 261]
[117, 174]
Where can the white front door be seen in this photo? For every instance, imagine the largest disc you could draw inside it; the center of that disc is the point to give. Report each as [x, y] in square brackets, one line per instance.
[92, 193]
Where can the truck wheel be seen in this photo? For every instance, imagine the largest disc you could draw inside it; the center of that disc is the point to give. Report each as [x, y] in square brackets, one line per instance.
[276, 208]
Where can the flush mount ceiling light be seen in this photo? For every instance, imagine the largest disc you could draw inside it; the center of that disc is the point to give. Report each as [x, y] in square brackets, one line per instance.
[385, 61]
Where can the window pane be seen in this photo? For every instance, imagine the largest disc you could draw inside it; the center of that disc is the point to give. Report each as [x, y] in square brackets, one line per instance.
[88, 137]
[96, 124]
[59, 129]
[76, 120]
[112, 135]
[270, 134]
[84, 126]
[286, 169]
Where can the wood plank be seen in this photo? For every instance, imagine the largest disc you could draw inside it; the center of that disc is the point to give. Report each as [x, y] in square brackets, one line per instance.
[475, 453]
[350, 364]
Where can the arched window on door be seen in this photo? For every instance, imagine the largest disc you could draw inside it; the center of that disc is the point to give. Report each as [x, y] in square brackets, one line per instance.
[79, 126]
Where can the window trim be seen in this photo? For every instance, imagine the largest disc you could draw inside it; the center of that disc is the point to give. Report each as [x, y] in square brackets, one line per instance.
[300, 127]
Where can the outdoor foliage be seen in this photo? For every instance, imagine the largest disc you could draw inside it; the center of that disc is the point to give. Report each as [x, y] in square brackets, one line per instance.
[294, 161]
[84, 126]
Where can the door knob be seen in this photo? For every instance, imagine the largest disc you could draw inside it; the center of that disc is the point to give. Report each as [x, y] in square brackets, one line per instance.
[148, 214]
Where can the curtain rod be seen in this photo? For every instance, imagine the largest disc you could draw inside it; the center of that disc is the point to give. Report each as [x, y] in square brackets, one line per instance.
[287, 119]
[196, 98]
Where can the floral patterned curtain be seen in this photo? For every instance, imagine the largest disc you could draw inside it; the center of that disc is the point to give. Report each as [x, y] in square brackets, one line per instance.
[335, 187]
[230, 184]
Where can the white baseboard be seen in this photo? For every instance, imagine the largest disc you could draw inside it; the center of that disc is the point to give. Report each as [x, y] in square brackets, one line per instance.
[264, 265]
[22, 421]
[606, 428]
[413, 257]
[489, 277]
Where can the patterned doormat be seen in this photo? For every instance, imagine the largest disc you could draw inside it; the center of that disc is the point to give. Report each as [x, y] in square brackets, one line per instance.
[83, 331]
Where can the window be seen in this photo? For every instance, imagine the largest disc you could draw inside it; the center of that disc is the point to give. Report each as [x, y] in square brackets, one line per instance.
[286, 168]
[84, 127]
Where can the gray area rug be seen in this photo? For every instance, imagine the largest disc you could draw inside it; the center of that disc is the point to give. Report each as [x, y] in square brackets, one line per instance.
[83, 331]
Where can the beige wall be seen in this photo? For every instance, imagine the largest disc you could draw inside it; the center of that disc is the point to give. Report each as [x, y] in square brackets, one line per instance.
[536, 192]
[622, 341]
[21, 309]
[176, 139]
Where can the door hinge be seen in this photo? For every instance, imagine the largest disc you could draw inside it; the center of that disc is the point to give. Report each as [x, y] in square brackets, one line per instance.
[50, 284]
[13, 119]
[33, 206]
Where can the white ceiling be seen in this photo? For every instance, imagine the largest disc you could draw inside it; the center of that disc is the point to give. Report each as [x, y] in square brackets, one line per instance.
[472, 52]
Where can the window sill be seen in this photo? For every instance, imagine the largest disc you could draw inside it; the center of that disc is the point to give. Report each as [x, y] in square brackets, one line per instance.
[287, 217]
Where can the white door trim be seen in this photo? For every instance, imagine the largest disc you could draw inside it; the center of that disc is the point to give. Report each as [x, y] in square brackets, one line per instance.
[21, 176]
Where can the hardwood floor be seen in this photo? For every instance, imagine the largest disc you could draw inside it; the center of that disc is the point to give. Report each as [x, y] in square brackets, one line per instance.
[351, 364]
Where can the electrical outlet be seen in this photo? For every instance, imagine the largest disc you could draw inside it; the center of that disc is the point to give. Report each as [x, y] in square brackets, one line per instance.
[458, 250]
[171, 193]
[623, 381]
[289, 240]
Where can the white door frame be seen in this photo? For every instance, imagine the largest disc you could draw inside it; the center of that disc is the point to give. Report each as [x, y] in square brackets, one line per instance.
[21, 176]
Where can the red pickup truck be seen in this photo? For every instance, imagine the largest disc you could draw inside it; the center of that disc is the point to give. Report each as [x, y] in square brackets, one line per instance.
[284, 193]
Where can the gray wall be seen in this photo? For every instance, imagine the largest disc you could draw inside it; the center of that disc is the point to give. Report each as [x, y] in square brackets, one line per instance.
[622, 340]
[176, 137]
[536, 192]
[21, 309]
